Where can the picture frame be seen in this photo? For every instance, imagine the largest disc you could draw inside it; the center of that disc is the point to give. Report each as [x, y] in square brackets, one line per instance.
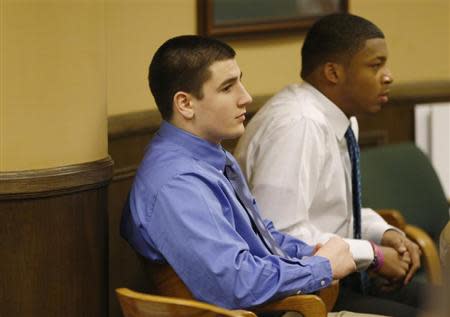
[224, 18]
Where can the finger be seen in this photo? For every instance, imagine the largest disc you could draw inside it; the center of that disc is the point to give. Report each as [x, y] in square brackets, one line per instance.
[399, 246]
[394, 239]
[410, 275]
[399, 243]
[415, 253]
[413, 269]
[406, 258]
[405, 267]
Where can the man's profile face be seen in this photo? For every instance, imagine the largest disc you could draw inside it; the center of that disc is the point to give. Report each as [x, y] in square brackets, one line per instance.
[367, 79]
[220, 114]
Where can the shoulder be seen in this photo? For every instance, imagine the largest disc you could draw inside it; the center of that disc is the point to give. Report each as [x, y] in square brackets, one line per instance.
[289, 111]
[173, 178]
[160, 168]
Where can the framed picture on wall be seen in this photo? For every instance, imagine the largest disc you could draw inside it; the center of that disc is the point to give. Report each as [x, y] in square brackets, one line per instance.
[236, 17]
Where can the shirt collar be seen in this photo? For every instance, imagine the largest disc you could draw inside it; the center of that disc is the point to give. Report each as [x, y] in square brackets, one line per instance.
[197, 147]
[338, 120]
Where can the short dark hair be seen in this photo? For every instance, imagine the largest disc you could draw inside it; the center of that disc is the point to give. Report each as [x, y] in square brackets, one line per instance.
[182, 64]
[336, 37]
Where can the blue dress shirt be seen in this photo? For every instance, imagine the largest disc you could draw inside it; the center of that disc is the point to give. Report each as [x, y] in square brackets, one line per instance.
[184, 211]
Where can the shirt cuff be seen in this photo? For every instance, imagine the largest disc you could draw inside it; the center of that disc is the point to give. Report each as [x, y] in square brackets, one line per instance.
[321, 272]
[376, 230]
[362, 252]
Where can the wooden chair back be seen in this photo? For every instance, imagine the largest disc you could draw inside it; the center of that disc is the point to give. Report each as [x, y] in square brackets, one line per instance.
[165, 282]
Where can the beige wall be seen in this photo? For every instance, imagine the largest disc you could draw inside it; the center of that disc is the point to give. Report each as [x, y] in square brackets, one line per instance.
[53, 83]
[67, 64]
[417, 31]
[135, 29]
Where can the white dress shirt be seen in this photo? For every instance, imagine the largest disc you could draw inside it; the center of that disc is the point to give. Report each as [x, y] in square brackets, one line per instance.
[295, 158]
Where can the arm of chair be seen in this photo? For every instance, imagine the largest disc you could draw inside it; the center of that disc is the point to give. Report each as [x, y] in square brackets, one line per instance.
[329, 294]
[428, 247]
[393, 217]
[139, 304]
[307, 305]
[245, 313]
[429, 251]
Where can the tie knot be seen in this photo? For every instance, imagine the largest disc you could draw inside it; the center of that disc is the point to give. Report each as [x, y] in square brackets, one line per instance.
[352, 144]
[349, 134]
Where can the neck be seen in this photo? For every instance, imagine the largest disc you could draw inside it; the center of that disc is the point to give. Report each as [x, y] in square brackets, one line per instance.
[331, 91]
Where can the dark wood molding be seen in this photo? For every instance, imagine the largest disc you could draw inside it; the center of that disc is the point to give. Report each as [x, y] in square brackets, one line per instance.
[55, 181]
[123, 125]
[242, 25]
[420, 92]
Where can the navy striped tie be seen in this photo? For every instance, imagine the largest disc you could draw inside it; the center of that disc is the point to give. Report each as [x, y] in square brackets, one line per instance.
[353, 151]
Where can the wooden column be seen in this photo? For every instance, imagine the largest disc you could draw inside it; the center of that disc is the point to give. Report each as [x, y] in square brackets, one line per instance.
[53, 242]
[54, 162]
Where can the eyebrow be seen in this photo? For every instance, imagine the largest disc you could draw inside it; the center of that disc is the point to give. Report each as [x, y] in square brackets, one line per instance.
[380, 58]
[229, 81]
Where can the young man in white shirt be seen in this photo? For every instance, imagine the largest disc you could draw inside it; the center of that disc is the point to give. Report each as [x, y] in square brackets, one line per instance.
[296, 157]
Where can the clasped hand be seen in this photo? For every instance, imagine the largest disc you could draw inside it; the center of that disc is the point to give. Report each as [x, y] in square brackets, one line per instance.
[401, 257]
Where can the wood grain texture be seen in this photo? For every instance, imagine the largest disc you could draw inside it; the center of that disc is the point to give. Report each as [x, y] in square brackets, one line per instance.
[54, 255]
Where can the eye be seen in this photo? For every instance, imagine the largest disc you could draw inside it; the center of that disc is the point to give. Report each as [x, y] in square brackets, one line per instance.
[376, 66]
[227, 88]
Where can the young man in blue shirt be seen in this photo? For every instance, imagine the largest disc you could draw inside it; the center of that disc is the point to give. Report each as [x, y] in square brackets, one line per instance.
[190, 206]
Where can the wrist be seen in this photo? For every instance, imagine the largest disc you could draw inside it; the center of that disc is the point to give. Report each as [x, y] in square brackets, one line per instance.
[378, 257]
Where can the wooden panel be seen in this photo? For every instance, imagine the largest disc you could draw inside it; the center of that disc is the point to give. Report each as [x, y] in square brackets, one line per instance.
[53, 242]
[395, 122]
[128, 138]
[54, 253]
[125, 268]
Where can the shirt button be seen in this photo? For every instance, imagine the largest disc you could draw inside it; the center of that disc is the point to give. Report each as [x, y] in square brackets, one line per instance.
[322, 282]
[299, 292]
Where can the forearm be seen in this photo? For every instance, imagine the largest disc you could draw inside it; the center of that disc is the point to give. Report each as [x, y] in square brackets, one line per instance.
[247, 281]
[374, 226]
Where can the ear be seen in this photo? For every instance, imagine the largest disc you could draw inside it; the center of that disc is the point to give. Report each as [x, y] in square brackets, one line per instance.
[182, 103]
[333, 72]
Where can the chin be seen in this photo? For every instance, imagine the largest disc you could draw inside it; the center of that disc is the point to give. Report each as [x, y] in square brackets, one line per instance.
[237, 133]
[374, 109]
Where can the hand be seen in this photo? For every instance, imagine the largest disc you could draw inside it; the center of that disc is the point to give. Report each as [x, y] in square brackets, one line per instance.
[395, 265]
[402, 244]
[338, 253]
[317, 247]
[415, 254]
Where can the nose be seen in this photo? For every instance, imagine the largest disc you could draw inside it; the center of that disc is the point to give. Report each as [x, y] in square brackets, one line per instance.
[387, 78]
[245, 98]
